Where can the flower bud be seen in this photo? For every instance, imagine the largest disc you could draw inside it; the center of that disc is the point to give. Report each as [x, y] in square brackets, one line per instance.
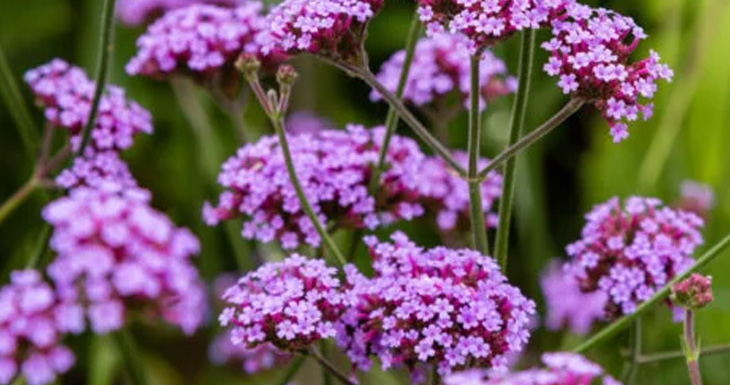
[286, 75]
[693, 293]
[249, 64]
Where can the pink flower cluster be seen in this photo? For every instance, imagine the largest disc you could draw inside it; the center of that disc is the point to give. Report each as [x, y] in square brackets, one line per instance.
[116, 255]
[441, 68]
[694, 292]
[32, 323]
[590, 52]
[98, 170]
[628, 252]
[334, 168]
[134, 12]
[199, 40]
[66, 94]
[290, 304]
[486, 22]
[560, 369]
[306, 122]
[332, 28]
[449, 309]
[567, 305]
[446, 195]
[252, 360]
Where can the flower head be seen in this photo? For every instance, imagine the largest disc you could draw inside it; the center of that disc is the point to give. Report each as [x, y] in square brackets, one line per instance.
[334, 168]
[66, 94]
[486, 22]
[98, 170]
[441, 68]
[446, 308]
[33, 321]
[135, 12]
[567, 305]
[697, 198]
[115, 255]
[290, 304]
[305, 122]
[630, 251]
[590, 52]
[693, 293]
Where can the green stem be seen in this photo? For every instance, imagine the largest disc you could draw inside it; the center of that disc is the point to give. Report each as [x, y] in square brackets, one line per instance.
[632, 362]
[278, 122]
[18, 197]
[106, 47]
[519, 111]
[41, 247]
[478, 227]
[343, 378]
[18, 109]
[666, 356]
[620, 324]
[132, 359]
[294, 368]
[326, 376]
[391, 122]
[690, 341]
[528, 140]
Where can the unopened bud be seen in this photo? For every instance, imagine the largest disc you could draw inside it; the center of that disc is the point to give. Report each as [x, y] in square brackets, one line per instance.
[693, 293]
[287, 75]
[249, 64]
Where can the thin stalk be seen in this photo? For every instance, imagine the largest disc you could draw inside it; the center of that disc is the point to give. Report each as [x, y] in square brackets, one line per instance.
[278, 122]
[326, 376]
[620, 324]
[18, 197]
[667, 356]
[106, 47]
[40, 248]
[693, 364]
[632, 362]
[478, 226]
[294, 368]
[391, 122]
[528, 140]
[519, 111]
[343, 378]
[132, 359]
[17, 107]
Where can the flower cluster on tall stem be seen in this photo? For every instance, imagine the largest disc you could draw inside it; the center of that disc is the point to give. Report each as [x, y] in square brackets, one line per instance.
[135, 12]
[692, 294]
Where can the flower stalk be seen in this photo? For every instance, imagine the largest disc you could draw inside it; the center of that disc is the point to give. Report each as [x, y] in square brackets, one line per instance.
[18, 109]
[128, 349]
[294, 368]
[692, 353]
[330, 367]
[478, 227]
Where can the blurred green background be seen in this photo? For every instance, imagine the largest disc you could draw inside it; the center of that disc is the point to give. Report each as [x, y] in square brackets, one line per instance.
[559, 179]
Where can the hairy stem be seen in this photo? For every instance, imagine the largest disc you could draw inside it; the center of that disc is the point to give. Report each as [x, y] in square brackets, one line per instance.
[519, 111]
[693, 364]
[620, 324]
[528, 140]
[16, 106]
[106, 47]
[294, 368]
[478, 227]
[327, 365]
[132, 359]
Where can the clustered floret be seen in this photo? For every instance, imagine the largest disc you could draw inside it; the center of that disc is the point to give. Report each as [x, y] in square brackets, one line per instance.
[116, 255]
[199, 40]
[441, 68]
[444, 308]
[290, 304]
[135, 12]
[331, 28]
[32, 323]
[334, 168]
[566, 304]
[446, 195]
[306, 122]
[560, 369]
[629, 252]
[590, 51]
[98, 170]
[693, 293]
[697, 198]
[66, 94]
[486, 22]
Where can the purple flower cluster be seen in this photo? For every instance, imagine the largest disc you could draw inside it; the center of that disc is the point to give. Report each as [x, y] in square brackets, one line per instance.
[66, 93]
[450, 309]
[32, 323]
[590, 52]
[486, 22]
[252, 360]
[560, 369]
[199, 40]
[134, 12]
[446, 195]
[104, 170]
[332, 28]
[305, 122]
[628, 252]
[567, 305]
[116, 255]
[697, 198]
[334, 168]
[290, 304]
[441, 68]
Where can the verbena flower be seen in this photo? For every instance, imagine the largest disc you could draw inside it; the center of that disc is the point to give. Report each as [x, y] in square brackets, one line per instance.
[441, 69]
[33, 321]
[567, 305]
[697, 198]
[98, 170]
[630, 251]
[334, 168]
[446, 308]
[486, 22]
[560, 369]
[66, 94]
[445, 195]
[251, 360]
[134, 12]
[331, 28]
[116, 255]
[290, 304]
[305, 122]
[199, 40]
[590, 52]
[694, 292]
